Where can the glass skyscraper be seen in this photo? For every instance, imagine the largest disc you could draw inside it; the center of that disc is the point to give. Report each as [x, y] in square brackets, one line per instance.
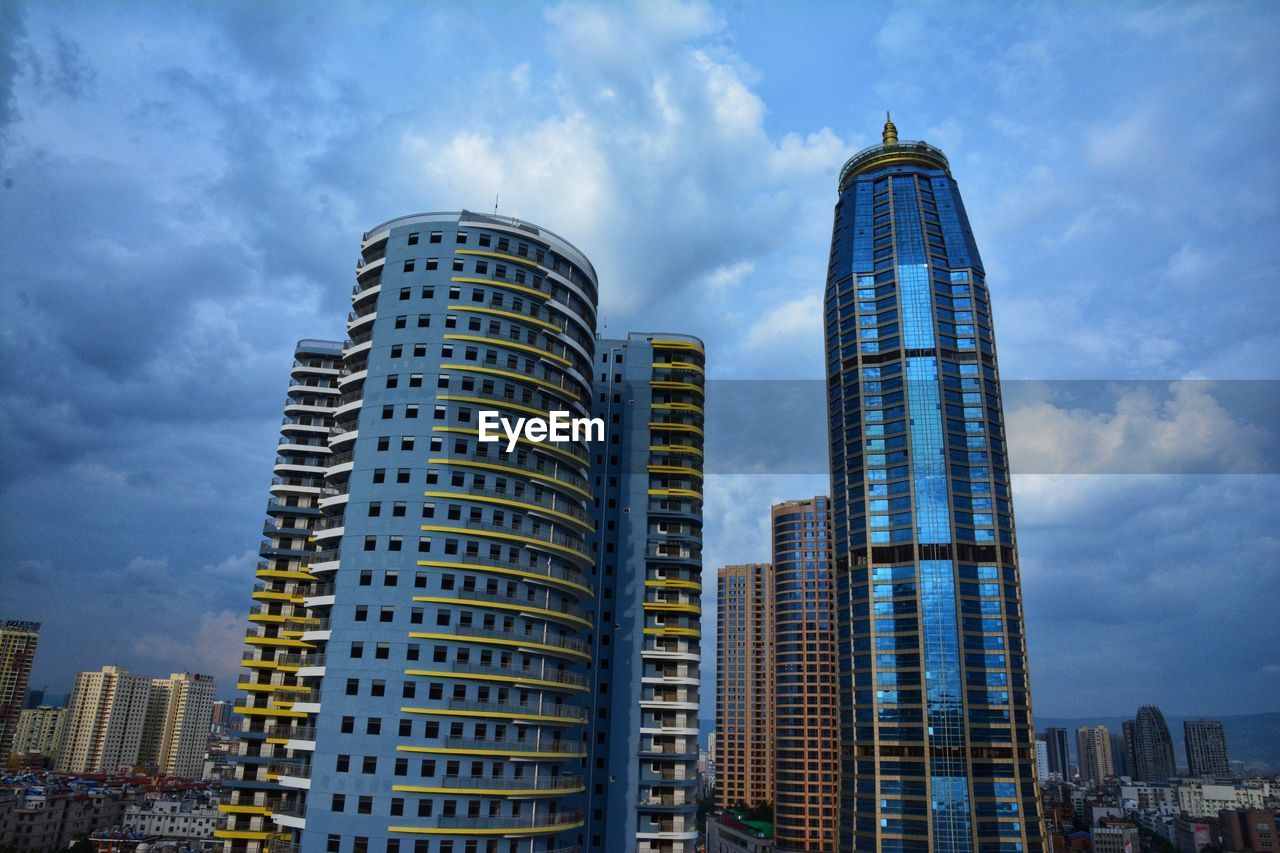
[937, 745]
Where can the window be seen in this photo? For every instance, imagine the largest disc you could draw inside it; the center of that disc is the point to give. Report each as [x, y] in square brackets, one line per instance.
[370, 543]
[484, 240]
[397, 806]
[402, 475]
[409, 690]
[462, 238]
[397, 350]
[348, 725]
[395, 543]
[369, 765]
[338, 803]
[366, 578]
[379, 475]
[384, 441]
[388, 412]
[408, 266]
[406, 442]
[411, 410]
[357, 650]
[393, 380]
[362, 613]
[387, 614]
[375, 509]
[343, 764]
[437, 236]
[373, 726]
[424, 321]
[402, 766]
[333, 844]
[398, 511]
[378, 688]
[402, 321]
[413, 239]
[415, 380]
[419, 350]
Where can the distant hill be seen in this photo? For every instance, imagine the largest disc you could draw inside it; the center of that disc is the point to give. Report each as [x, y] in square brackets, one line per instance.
[1251, 738]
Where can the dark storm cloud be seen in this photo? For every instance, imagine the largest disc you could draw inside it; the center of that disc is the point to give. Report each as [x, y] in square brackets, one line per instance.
[184, 200]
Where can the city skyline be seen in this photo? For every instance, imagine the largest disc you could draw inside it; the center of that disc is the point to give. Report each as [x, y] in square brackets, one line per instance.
[101, 421]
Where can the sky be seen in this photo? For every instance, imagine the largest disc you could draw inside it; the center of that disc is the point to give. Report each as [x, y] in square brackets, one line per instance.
[185, 186]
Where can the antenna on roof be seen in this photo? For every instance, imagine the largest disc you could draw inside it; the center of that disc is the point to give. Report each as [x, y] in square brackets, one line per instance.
[495, 204]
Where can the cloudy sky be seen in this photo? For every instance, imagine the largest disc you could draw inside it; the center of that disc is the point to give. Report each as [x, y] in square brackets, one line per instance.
[185, 185]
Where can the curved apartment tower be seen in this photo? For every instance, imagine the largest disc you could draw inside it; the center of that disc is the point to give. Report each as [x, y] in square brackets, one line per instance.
[806, 733]
[284, 651]
[937, 750]
[430, 664]
[456, 686]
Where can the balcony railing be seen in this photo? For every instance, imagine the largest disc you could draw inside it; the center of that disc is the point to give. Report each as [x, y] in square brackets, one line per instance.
[515, 745]
[547, 709]
[514, 824]
[509, 783]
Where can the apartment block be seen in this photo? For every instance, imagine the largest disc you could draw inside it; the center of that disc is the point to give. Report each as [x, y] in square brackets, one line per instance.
[744, 685]
[179, 714]
[18, 640]
[39, 732]
[105, 721]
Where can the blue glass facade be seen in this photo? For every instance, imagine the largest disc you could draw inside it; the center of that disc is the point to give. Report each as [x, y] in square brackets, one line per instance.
[936, 730]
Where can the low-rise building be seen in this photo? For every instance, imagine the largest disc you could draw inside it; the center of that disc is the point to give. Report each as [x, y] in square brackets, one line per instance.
[1256, 830]
[1200, 799]
[1116, 836]
[179, 820]
[1190, 835]
[732, 832]
[40, 819]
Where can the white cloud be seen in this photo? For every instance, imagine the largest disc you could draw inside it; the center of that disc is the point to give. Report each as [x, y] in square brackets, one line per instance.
[795, 323]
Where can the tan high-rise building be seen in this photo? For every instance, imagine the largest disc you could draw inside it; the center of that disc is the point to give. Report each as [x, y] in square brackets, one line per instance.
[744, 685]
[806, 722]
[105, 720]
[176, 730]
[40, 732]
[17, 652]
[1094, 748]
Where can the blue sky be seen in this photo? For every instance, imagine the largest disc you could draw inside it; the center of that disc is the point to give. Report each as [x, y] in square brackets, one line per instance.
[185, 185]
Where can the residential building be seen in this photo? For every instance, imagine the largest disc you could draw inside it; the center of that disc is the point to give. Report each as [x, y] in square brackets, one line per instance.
[1206, 745]
[223, 713]
[646, 477]
[1128, 742]
[1119, 754]
[1116, 836]
[39, 733]
[806, 721]
[284, 655]
[492, 647]
[744, 685]
[733, 832]
[1093, 749]
[1152, 747]
[176, 734]
[1190, 835]
[935, 700]
[1055, 739]
[38, 819]
[18, 640]
[1256, 830]
[1042, 761]
[105, 720]
[171, 820]
[1203, 800]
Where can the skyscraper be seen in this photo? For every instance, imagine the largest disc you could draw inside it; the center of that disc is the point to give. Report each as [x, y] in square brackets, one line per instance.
[105, 719]
[176, 733]
[18, 641]
[806, 729]
[1055, 739]
[1152, 748]
[284, 653]
[1206, 745]
[937, 748]
[744, 685]
[495, 646]
[647, 546]
[1093, 748]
